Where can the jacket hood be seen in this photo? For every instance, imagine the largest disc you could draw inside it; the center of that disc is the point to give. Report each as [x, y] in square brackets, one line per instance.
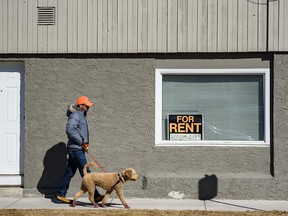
[72, 108]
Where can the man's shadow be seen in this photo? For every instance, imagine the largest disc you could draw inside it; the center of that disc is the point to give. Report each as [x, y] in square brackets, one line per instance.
[55, 161]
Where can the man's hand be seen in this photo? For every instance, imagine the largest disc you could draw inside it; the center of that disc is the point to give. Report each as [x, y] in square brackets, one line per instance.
[85, 146]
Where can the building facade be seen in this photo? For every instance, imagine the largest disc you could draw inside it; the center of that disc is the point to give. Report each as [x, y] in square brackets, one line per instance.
[190, 93]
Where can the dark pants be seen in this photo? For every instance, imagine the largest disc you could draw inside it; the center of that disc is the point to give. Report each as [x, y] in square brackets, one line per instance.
[76, 159]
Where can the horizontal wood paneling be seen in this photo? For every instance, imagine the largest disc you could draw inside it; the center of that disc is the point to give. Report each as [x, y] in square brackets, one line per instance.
[145, 26]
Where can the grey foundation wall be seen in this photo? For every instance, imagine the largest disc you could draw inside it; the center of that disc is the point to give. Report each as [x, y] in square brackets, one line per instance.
[122, 130]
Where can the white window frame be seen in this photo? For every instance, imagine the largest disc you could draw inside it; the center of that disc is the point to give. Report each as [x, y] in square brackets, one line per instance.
[250, 71]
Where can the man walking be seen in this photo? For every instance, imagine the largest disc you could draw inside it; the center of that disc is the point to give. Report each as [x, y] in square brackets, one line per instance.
[78, 143]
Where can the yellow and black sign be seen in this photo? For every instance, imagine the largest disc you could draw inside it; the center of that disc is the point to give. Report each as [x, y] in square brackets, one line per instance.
[185, 127]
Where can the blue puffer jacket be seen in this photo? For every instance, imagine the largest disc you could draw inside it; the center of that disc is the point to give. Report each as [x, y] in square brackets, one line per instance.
[76, 128]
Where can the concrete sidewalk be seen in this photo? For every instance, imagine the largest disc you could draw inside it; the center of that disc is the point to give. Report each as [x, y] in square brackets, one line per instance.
[137, 203]
[12, 198]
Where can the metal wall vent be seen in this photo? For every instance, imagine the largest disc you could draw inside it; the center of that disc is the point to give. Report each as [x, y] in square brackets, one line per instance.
[46, 15]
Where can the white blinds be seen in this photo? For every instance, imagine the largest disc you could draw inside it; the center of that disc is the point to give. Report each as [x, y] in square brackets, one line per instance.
[232, 105]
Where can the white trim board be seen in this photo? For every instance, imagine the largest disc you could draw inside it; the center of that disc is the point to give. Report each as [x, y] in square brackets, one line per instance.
[11, 180]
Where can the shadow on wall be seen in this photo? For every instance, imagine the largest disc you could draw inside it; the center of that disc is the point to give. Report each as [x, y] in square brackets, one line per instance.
[55, 161]
[207, 187]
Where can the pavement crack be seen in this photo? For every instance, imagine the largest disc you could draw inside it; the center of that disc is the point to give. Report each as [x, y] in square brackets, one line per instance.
[205, 205]
[12, 203]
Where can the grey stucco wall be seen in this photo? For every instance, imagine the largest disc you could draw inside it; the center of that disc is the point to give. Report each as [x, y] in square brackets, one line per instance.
[280, 114]
[122, 130]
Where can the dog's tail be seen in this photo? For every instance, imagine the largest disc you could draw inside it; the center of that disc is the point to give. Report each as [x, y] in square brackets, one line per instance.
[89, 165]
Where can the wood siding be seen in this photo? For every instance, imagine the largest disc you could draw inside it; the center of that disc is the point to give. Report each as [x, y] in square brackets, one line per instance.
[145, 26]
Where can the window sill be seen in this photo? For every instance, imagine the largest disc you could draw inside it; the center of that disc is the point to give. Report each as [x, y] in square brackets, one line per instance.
[213, 143]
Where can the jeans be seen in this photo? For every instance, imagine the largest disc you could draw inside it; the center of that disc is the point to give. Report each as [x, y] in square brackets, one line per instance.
[76, 159]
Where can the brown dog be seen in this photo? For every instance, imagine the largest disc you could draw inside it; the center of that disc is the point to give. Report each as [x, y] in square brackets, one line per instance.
[107, 181]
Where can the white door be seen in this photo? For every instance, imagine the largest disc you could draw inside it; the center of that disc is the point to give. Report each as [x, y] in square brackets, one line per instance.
[11, 123]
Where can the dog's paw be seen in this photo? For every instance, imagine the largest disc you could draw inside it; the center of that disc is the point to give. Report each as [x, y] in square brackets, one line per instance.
[127, 206]
[103, 205]
[95, 205]
[73, 203]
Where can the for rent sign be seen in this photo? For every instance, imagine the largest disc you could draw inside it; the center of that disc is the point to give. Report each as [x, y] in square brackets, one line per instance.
[186, 127]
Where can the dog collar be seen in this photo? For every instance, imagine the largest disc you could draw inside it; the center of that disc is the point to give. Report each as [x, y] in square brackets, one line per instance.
[121, 179]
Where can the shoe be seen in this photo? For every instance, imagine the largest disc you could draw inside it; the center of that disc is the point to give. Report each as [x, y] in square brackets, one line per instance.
[63, 199]
[99, 198]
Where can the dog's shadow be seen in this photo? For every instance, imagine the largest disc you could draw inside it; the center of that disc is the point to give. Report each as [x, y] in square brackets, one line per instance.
[108, 204]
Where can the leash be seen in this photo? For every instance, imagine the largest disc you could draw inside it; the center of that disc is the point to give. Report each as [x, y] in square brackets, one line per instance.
[119, 180]
[96, 162]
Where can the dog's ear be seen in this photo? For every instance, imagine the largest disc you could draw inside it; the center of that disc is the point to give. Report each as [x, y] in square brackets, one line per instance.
[128, 173]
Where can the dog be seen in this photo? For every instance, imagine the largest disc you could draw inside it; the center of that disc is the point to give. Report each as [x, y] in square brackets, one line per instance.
[107, 181]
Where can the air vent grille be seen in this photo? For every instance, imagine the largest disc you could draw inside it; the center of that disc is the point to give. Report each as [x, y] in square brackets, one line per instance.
[46, 15]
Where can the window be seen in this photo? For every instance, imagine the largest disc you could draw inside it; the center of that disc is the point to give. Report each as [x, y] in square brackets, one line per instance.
[212, 107]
